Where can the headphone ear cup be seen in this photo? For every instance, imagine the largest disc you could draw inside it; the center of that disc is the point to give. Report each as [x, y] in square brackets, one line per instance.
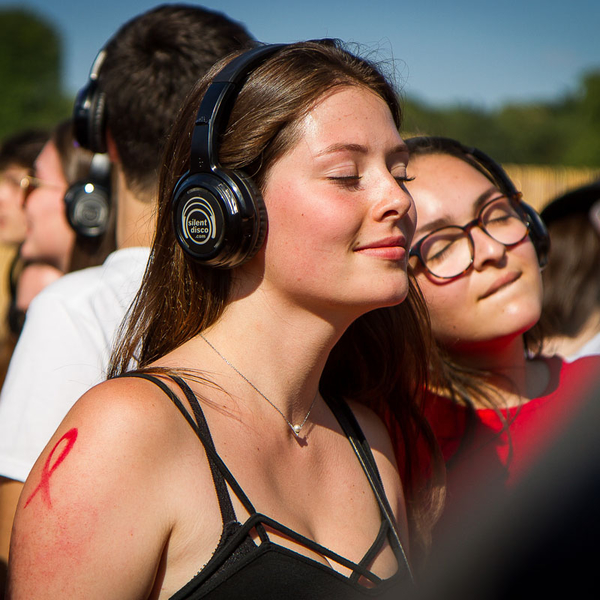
[219, 218]
[255, 237]
[538, 233]
[87, 207]
[89, 118]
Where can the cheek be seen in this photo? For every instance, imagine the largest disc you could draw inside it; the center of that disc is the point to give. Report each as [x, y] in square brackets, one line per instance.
[445, 303]
[302, 222]
[45, 206]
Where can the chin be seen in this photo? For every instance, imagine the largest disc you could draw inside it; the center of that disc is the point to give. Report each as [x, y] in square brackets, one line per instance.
[392, 299]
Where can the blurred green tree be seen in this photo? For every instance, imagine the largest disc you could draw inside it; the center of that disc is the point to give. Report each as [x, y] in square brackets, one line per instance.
[30, 72]
[560, 132]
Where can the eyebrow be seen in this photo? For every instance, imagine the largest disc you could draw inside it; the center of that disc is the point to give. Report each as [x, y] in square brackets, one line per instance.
[359, 148]
[446, 220]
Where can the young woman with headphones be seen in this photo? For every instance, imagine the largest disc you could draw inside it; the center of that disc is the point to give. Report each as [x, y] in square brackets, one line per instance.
[495, 403]
[229, 464]
[67, 199]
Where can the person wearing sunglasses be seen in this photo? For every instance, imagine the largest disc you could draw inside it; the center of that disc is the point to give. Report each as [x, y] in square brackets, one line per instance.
[495, 402]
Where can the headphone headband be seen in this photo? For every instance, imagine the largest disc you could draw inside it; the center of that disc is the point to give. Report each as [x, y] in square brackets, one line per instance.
[89, 114]
[100, 169]
[217, 104]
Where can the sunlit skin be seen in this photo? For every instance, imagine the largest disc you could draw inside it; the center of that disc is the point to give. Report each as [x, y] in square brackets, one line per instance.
[49, 237]
[480, 316]
[338, 200]
[12, 216]
[136, 489]
[62, 448]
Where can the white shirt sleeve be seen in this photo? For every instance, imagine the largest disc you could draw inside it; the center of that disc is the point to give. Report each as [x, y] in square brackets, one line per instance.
[56, 360]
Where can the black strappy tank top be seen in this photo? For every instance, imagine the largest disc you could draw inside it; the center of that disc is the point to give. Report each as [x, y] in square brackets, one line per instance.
[242, 569]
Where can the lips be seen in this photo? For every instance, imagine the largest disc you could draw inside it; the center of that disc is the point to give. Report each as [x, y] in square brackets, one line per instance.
[393, 248]
[501, 283]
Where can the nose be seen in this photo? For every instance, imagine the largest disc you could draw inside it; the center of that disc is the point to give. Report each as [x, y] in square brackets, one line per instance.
[486, 249]
[393, 201]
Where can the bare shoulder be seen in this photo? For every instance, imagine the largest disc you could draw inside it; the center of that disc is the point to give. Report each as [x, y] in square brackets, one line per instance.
[127, 402]
[102, 494]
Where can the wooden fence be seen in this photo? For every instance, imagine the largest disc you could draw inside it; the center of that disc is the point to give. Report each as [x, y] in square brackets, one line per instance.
[541, 184]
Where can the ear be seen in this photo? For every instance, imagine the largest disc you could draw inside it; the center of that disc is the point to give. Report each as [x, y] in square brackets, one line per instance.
[595, 216]
[113, 153]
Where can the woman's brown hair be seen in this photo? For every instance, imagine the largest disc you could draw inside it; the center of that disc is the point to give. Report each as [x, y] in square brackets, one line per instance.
[380, 360]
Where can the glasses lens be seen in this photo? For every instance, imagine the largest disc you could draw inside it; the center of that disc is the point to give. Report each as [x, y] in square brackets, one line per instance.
[502, 222]
[447, 252]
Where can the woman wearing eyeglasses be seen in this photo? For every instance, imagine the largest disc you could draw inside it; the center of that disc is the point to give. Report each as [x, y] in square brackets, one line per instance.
[495, 403]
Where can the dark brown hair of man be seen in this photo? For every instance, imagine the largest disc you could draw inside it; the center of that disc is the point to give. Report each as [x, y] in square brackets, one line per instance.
[151, 64]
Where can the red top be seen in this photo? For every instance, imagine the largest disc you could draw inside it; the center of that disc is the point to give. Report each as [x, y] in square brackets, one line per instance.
[496, 456]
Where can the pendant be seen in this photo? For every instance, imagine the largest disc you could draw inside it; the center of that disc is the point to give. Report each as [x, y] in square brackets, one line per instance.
[297, 429]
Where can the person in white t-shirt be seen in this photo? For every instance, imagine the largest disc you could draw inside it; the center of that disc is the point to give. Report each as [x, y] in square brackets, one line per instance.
[137, 84]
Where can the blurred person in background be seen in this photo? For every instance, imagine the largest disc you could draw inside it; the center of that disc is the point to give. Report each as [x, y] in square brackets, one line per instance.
[49, 237]
[17, 155]
[571, 308]
[138, 83]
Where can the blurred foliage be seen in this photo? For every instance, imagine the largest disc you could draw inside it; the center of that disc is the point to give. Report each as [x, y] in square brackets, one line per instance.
[562, 132]
[30, 73]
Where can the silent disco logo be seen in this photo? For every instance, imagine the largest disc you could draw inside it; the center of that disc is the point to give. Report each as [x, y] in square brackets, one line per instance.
[199, 221]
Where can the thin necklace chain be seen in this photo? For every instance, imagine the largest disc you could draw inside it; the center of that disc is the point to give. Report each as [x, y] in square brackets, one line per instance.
[294, 428]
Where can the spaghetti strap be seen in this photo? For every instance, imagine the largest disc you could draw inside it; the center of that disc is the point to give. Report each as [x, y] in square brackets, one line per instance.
[362, 449]
[219, 469]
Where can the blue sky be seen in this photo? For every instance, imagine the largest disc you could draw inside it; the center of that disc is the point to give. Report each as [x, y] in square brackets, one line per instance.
[475, 52]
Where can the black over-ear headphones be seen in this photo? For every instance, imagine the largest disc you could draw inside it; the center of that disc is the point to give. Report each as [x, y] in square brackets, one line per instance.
[537, 229]
[89, 115]
[87, 202]
[218, 215]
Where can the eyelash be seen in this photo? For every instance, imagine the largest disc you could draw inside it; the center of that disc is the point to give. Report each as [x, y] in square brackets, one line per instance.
[347, 182]
[352, 181]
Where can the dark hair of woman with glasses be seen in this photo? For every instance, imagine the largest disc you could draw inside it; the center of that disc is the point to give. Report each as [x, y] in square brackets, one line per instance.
[495, 402]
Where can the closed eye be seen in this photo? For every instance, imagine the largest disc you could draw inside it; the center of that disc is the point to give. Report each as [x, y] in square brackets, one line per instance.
[349, 182]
